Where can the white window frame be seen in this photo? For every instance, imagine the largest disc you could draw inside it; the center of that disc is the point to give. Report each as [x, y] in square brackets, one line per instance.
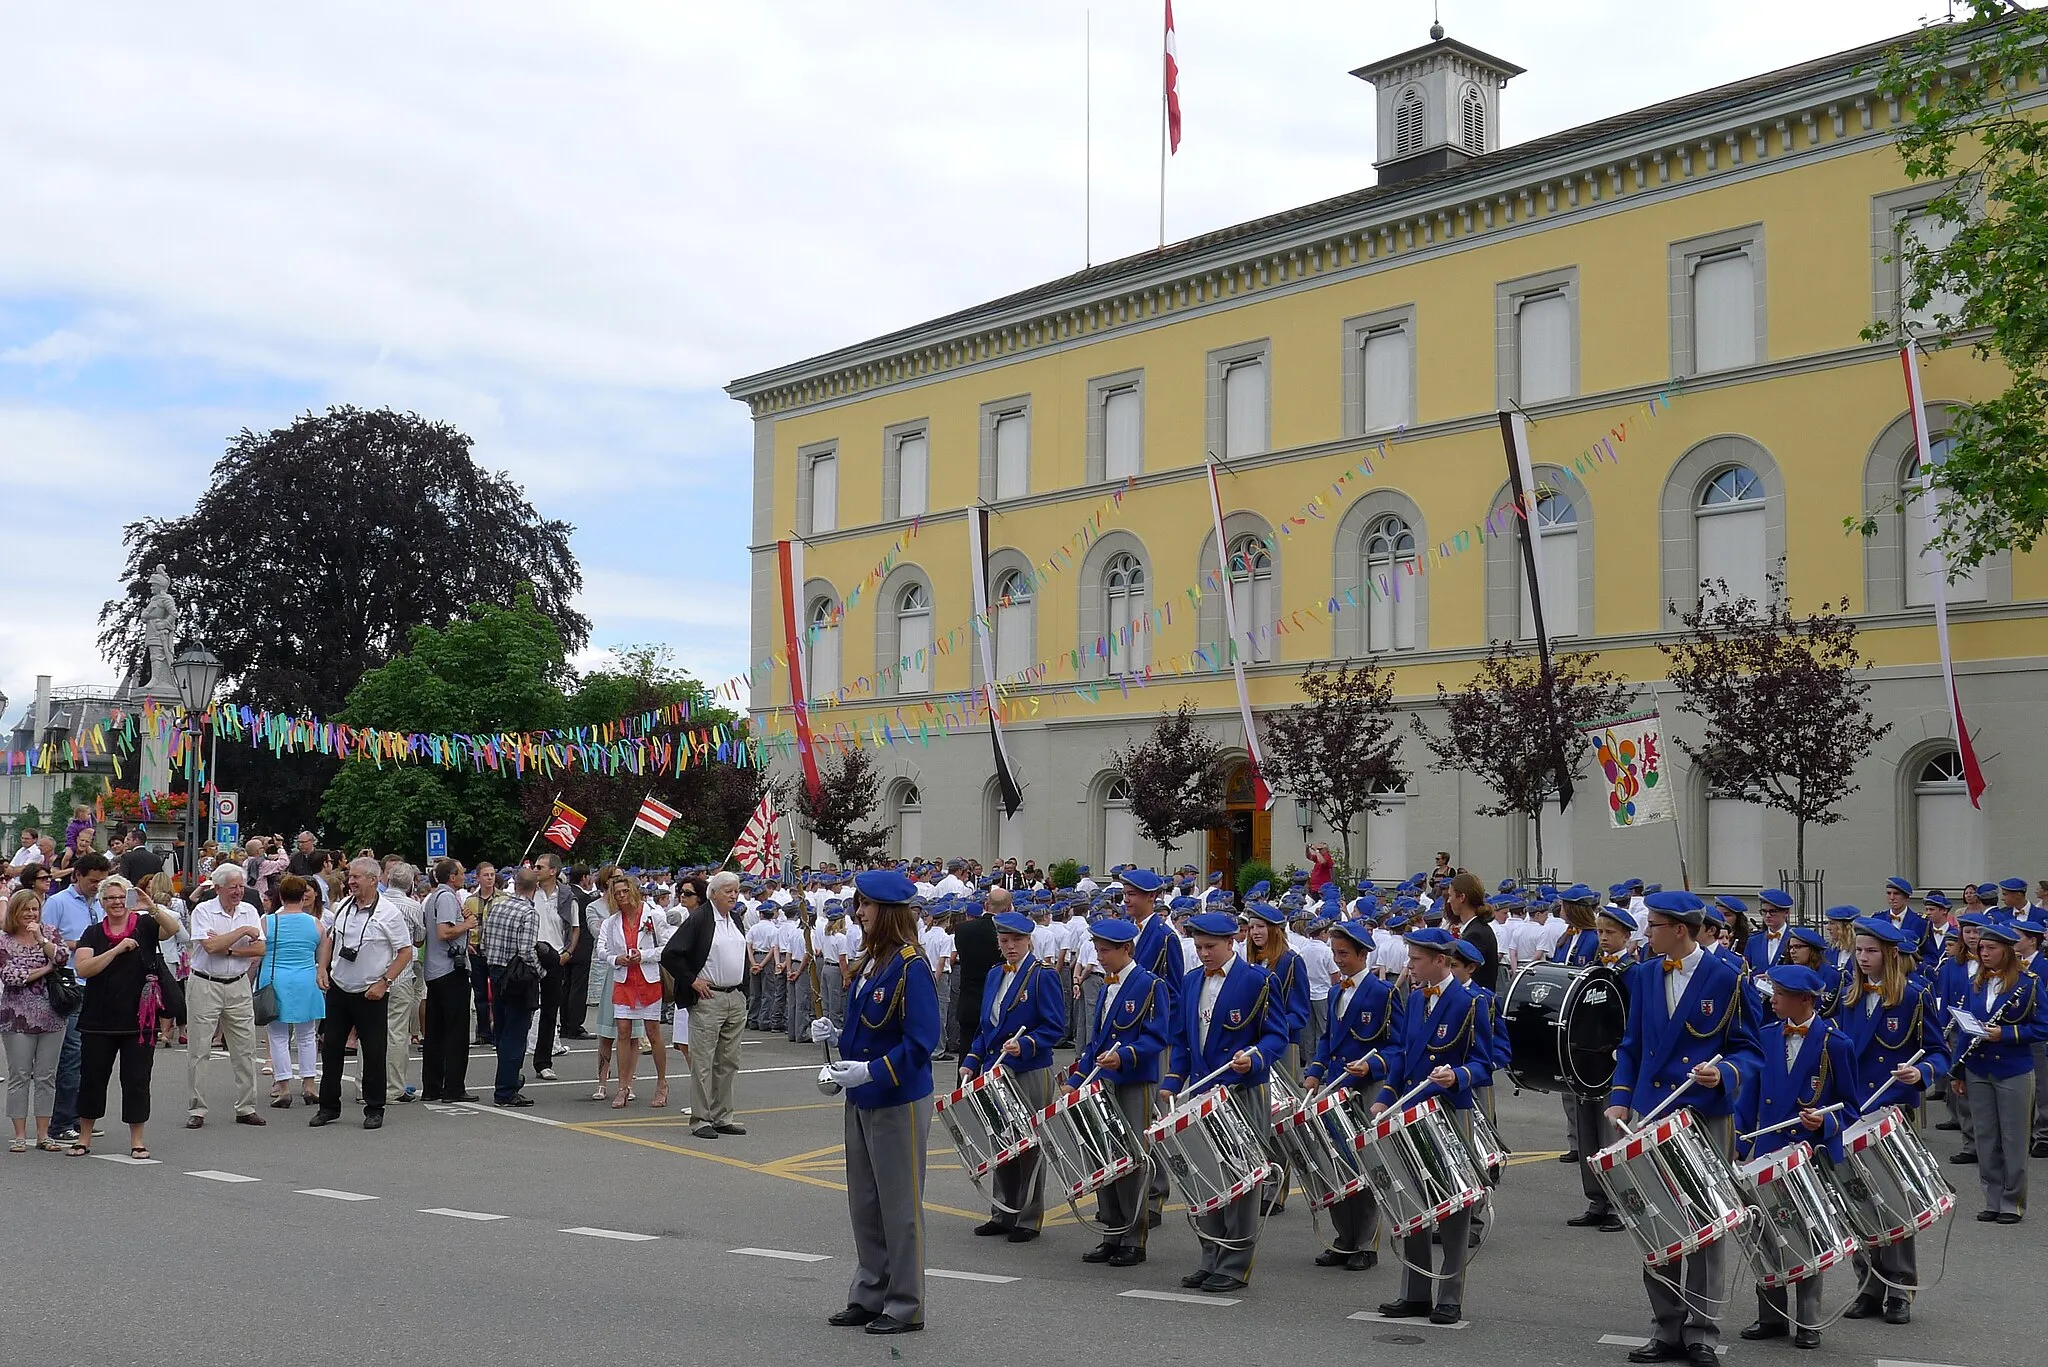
[1509, 298]
[1123, 605]
[910, 678]
[1686, 258]
[1100, 391]
[993, 415]
[1015, 608]
[1396, 609]
[1250, 564]
[1757, 506]
[1358, 332]
[1221, 362]
[901, 498]
[822, 639]
[809, 459]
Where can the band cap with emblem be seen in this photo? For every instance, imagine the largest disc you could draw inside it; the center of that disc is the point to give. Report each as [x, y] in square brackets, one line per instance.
[1217, 925]
[885, 886]
[1796, 978]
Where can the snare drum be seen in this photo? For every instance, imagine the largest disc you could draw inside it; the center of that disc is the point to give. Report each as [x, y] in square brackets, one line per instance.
[1212, 1153]
[1087, 1140]
[1487, 1150]
[1420, 1168]
[990, 1121]
[1799, 1232]
[1672, 1187]
[1890, 1185]
[1322, 1139]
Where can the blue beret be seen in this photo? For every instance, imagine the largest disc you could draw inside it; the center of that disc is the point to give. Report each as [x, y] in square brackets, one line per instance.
[1358, 932]
[1880, 930]
[1469, 952]
[884, 885]
[1937, 898]
[1674, 903]
[1215, 924]
[1651, 887]
[1898, 884]
[1433, 913]
[2000, 931]
[1506, 885]
[1300, 876]
[2031, 926]
[1795, 978]
[1187, 868]
[1712, 916]
[1141, 880]
[1844, 913]
[1579, 892]
[1734, 904]
[1431, 937]
[1620, 916]
[1109, 928]
[1396, 921]
[1973, 918]
[1260, 889]
[1266, 912]
[1013, 923]
[1776, 897]
[1805, 935]
[1180, 904]
[1503, 899]
[1216, 877]
[1368, 905]
[1618, 890]
[1986, 891]
[2012, 884]
[1084, 868]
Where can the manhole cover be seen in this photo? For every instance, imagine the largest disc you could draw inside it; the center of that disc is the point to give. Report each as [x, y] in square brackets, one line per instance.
[1397, 1338]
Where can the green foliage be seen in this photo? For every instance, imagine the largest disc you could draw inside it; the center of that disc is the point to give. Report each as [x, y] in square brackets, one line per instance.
[1253, 872]
[1960, 85]
[502, 669]
[1064, 873]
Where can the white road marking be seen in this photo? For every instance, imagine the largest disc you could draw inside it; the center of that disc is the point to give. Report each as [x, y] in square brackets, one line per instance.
[333, 1195]
[462, 1214]
[214, 1175]
[1177, 1298]
[789, 1068]
[788, 1257]
[1896, 1362]
[1637, 1341]
[508, 1112]
[619, 1234]
[1375, 1317]
[969, 1276]
[125, 1161]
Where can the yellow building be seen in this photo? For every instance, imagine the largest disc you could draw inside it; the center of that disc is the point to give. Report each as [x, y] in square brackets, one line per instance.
[1730, 244]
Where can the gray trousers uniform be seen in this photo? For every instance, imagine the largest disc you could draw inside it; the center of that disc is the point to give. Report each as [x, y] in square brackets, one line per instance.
[1689, 1319]
[2002, 1110]
[1448, 1286]
[1090, 1008]
[1020, 1183]
[2040, 1089]
[835, 990]
[944, 985]
[1590, 1134]
[774, 997]
[802, 1006]
[885, 1166]
[1355, 1223]
[1238, 1222]
[1122, 1205]
[1897, 1264]
[1805, 1304]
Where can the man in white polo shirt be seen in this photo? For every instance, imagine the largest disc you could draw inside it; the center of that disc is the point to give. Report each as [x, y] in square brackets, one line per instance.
[368, 945]
[226, 934]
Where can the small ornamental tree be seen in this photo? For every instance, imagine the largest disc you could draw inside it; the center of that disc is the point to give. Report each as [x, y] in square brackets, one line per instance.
[849, 790]
[1175, 775]
[1338, 750]
[1505, 731]
[1783, 702]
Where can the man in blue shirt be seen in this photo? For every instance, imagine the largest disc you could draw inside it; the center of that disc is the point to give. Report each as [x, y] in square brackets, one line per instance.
[70, 913]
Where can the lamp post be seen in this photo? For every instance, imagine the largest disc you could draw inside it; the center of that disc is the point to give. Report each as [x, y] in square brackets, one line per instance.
[198, 672]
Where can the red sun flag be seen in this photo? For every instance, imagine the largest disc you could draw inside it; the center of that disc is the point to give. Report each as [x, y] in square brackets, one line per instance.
[1172, 86]
[565, 823]
[757, 850]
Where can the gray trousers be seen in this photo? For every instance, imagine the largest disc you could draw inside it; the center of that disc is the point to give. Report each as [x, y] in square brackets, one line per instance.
[32, 1073]
[1959, 1108]
[835, 991]
[228, 1005]
[1898, 1265]
[1448, 1287]
[2040, 1089]
[1690, 1318]
[802, 1006]
[774, 998]
[1312, 1034]
[1089, 1008]
[1590, 1130]
[944, 985]
[1122, 1205]
[1355, 1223]
[885, 1164]
[716, 1024]
[1238, 1222]
[1020, 1183]
[1805, 1304]
[2002, 1110]
[1067, 1036]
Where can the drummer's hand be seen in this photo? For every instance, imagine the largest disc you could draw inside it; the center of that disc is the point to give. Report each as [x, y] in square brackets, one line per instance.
[1810, 1118]
[966, 1076]
[1014, 1049]
[1707, 1075]
[1956, 1086]
[1241, 1063]
[1377, 1107]
[1443, 1077]
[1619, 1115]
[1108, 1059]
[1166, 1099]
[1907, 1073]
[1359, 1067]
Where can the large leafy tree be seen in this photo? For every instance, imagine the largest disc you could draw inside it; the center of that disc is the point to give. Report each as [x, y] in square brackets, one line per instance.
[1961, 85]
[849, 790]
[1339, 749]
[1506, 729]
[1784, 700]
[1175, 774]
[499, 669]
[313, 552]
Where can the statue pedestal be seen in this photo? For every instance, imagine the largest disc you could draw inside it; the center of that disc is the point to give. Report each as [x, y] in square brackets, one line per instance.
[154, 778]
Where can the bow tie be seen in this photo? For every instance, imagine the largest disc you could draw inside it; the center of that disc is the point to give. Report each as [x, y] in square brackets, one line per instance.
[1111, 979]
[1797, 1031]
[1673, 965]
[1216, 973]
[1433, 992]
[1346, 984]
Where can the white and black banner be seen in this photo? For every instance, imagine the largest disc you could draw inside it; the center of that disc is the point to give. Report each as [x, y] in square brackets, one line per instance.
[1514, 431]
[984, 636]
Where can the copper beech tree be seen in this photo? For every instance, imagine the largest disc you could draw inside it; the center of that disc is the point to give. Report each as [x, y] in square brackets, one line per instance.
[1340, 749]
[849, 790]
[1175, 775]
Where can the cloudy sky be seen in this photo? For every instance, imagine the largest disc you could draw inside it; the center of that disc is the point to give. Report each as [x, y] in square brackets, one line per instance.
[565, 227]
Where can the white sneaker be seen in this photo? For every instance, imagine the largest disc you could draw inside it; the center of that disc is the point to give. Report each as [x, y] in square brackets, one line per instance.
[547, 1074]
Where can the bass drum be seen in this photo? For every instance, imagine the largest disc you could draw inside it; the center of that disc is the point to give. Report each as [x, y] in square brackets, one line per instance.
[1564, 1025]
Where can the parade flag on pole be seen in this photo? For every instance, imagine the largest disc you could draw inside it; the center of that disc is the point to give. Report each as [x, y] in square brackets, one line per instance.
[1172, 77]
[1630, 753]
[1261, 794]
[565, 823]
[1514, 431]
[789, 563]
[1973, 773]
[977, 555]
[655, 816]
[755, 851]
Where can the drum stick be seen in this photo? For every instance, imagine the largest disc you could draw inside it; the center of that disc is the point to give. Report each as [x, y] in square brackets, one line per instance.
[1082, 1085]
[1788, 1124]
[1672, 1100]
[1190, 1091]
[1417, 1090]
[1890, 1083]
[1000, 1055]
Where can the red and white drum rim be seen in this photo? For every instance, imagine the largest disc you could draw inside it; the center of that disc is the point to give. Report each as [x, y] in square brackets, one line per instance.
[1770, 1168]
[1357, 1186]
[1391, 1120]
[1100, 1178]
[1699, 1239]
[1635, 1146]
[974, 1084]
[1070, 1098]
[1827, 1259]
[1873, 1128]
[1922, 1222]
[1177, 1120]
[1237, 1190]
[1442, 1211]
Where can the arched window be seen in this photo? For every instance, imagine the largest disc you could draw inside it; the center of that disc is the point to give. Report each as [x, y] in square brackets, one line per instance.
[1386, 833]
[1557, 540]
[1475, 120]
[1947, 831]
[1923, 513]
[1729, 522]
[909, 822]
[1119, 826]
[1408, 123]
[1013, 607]
[1389, 597]
[821, 664]
[1124, 605]
[1251, 590]
[914, 640]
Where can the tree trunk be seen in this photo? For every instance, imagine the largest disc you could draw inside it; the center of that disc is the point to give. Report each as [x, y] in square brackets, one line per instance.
[1799, 825]
[1344, 832]
[1537, 872]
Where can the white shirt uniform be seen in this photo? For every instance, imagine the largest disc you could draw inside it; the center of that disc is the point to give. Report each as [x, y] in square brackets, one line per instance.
[1322, 968]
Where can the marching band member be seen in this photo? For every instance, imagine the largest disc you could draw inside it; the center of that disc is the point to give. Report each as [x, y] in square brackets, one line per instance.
[1765, 947]
[1364, 1015]
[1125, 1041]
[1684, 1008]
[1443, 1040]
[1616, 927]
[885, 1050]
[1809, 949]
[1220, 1019]
[1617, 931]
[1490, 1048]
[1158, 952]
[1581, 943]
[1953, 980]
[1023, 1015]
[1941, 927]
[1912, 926]
[1883, 1011]
[2031, 932]
[1999, 1070]
[1807, 1065]
[1287, 1000]
[1841, 937]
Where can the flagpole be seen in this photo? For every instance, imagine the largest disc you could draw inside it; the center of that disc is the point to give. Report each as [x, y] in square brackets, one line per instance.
[621, 860]
[1163, 31]
[1088, 138]
[544, 825]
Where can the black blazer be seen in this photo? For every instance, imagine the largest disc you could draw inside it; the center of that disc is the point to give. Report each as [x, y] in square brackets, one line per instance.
[1479, 931]
[682, 958]
[975, 943]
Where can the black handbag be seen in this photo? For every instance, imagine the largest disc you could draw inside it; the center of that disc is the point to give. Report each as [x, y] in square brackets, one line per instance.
[519, 983]
[264, 1002]
[66, 989]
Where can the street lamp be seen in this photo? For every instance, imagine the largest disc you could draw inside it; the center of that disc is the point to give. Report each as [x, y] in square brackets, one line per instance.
[198, 672]
[1304, 816]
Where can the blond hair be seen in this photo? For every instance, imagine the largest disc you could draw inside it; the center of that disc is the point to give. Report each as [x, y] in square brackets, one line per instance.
[23, 898]
[1891, 987]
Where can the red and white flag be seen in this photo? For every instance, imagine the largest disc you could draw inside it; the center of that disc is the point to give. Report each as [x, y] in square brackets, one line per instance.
[565, 823]
[655, 816]
[757, 850]
[1172, 85]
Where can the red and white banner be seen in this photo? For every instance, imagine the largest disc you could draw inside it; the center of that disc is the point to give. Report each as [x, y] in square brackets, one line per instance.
[1261, 794]
[757, 850]
[565, 823]
[1973, 774]
[655, 817]
[1172, 79]
[789, 563]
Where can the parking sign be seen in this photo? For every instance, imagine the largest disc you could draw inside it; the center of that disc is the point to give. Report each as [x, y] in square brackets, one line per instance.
[437, 840]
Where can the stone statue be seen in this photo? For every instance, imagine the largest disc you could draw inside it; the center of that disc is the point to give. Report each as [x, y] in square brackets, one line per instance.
[160, 630]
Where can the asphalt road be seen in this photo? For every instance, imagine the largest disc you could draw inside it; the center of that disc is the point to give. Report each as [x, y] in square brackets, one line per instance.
[572, 1233]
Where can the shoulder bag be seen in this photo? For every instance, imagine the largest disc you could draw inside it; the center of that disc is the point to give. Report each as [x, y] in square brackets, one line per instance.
[65, 988]
[265, 999]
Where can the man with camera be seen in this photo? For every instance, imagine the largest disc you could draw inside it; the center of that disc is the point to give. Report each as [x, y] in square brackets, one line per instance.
[367, 947]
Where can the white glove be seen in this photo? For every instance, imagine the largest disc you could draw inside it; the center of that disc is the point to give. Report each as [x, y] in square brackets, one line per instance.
[848, 1073]
[823, 1031]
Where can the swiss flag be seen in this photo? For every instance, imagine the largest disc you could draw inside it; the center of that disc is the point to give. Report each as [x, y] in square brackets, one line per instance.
[1172, 86]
